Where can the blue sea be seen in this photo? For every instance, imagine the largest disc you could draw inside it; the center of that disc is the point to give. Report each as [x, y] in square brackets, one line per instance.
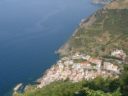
[30, 33]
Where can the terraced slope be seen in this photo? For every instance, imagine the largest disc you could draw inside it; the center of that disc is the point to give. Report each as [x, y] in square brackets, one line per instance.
[103, 32]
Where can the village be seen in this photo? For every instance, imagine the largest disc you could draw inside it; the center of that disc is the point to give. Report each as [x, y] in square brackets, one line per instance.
[79, 67]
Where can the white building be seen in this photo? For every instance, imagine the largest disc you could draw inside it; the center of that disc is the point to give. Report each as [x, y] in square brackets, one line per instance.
[110, 66]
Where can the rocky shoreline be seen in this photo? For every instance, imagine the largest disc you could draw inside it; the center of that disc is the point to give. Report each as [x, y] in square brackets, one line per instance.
[86, 22]
[77, 67]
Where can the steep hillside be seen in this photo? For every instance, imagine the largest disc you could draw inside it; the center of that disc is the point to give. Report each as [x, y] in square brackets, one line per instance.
[108, 32]
[103, 32]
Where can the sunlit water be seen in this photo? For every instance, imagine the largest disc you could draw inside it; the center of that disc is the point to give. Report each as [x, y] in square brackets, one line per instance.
[30, 32]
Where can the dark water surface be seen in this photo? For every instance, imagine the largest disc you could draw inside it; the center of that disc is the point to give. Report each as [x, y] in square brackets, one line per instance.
[30, 32]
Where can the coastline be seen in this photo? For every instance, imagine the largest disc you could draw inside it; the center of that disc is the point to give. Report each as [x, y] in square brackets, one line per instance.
[86, 21]
[81, 66]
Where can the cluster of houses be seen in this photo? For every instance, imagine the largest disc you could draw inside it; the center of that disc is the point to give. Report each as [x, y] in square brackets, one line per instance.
[87, 68]
[119, 54]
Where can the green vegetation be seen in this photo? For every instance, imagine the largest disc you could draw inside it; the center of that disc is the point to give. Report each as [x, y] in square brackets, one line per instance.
[97, 87]
[83, 88]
